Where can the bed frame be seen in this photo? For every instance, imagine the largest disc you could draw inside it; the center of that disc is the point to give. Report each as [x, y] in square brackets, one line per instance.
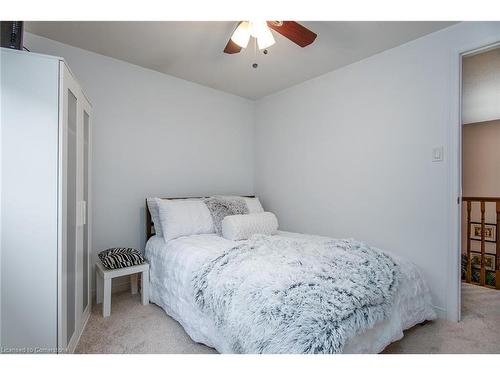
[150, 229]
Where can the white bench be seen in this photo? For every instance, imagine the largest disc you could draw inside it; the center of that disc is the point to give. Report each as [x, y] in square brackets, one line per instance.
[103, 279]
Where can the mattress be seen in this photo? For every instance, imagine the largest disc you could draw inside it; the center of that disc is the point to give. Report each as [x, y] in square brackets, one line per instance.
[173, 264]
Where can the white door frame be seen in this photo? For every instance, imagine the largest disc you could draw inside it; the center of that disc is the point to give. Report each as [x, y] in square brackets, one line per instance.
[454, 259]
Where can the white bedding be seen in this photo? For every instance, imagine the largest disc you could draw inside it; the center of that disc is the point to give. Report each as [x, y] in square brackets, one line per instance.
[173, 265]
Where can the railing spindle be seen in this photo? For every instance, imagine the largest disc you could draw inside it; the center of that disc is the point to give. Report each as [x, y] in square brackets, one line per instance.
[468, 276]
[497, 273]
[482, 273]
[482, 276]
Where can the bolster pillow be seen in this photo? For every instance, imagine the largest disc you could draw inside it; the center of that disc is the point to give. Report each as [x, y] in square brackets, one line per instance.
[242, 227]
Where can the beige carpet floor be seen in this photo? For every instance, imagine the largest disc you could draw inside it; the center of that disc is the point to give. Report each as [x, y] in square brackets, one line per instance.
[133, 328]
[477, 332]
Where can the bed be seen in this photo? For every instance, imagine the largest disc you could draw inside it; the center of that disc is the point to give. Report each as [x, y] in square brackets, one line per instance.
[174, 265]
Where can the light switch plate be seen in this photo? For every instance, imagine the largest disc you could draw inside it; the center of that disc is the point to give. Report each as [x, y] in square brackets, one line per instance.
[438, 153]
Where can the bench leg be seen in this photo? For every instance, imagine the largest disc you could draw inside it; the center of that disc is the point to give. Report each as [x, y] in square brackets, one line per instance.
[133, 283]
[106, 306]
[98, 286]
[145, 287]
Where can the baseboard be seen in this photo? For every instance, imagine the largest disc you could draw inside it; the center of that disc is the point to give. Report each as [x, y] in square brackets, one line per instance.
[74, 343]
[119, 284]
[441, 313]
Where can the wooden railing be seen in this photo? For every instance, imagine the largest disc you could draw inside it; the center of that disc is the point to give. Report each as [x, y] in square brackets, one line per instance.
[482, 273]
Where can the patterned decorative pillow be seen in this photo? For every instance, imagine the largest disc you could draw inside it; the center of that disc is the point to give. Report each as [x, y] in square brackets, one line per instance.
[253, 203]
[221, 207]
[120, 257]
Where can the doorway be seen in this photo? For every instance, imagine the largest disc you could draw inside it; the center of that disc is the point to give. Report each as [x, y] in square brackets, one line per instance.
[480, 219]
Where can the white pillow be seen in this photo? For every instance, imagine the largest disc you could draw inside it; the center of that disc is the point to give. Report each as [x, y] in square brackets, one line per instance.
[182, 217]
[242, 227]
[253, 204]
[155, 215]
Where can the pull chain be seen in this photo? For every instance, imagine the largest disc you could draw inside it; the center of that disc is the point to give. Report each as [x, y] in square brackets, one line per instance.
[255, 65]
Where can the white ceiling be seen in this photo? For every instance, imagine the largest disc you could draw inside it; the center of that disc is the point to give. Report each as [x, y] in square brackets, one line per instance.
[193, 50]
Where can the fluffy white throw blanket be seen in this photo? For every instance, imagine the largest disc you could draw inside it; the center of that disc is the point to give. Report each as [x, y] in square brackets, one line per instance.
[276, 294]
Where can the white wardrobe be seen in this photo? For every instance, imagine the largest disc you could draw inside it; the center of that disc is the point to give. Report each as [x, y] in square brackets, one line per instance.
[45, 204]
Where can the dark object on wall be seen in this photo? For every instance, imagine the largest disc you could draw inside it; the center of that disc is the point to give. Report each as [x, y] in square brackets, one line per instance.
[12, 34]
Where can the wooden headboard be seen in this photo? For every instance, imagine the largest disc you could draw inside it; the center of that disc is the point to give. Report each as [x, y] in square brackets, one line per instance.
[149, 222]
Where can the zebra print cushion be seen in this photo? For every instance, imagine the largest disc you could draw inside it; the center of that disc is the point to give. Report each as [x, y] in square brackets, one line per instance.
[120, 257]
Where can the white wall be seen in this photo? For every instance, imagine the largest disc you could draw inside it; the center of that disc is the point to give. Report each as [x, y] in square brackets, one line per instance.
[154, 134]
[481, 158]
[481, 87]
[348, 154]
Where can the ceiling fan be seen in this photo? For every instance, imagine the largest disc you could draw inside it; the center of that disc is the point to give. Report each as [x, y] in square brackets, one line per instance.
[261, 31]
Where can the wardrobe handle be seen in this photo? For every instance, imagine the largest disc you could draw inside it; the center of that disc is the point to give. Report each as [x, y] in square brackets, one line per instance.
[82, 213]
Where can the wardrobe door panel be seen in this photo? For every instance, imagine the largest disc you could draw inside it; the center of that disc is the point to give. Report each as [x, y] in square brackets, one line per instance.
[75, 217]
[71, 199]
[86, 232]
[69, 278]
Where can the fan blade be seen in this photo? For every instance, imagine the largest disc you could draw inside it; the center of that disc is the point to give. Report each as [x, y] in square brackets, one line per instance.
[232, 47]
[294, 31]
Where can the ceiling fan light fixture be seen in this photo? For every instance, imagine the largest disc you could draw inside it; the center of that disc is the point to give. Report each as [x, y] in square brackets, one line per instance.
[260, 31]
[241, 35]
[257, 28]
[265, 39]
